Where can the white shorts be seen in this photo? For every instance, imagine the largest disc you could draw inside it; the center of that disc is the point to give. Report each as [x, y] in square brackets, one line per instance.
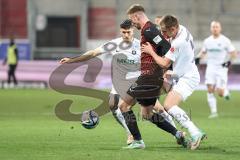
[216, 75]
[186, 84]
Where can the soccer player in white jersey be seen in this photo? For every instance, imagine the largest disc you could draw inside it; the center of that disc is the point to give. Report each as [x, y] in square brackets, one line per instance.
[132, 57]
[126, 32]
[220, 52]
[184, 73]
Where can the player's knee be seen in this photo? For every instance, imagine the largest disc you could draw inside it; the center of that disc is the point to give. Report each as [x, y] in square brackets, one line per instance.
[124, 107]
[113, 102]
[220, 93]
[146, 115]
[210, 89]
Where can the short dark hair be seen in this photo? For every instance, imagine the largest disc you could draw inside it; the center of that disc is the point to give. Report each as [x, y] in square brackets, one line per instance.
[169, 21]
[126, 24]
[135, 8]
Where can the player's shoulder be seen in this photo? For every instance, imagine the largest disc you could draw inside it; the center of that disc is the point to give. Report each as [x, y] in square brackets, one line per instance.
[149, 27]
[224, 38]
[182, 36]
[117, 40]
[208, 39]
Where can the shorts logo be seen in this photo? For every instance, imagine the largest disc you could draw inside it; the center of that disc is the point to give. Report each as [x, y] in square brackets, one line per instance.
[157, 39]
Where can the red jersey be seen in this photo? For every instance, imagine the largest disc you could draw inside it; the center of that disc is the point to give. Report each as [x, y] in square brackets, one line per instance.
[151, 34]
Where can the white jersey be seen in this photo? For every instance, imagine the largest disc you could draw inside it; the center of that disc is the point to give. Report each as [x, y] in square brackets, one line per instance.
[217, 49]
[126, 60]
[182, 55]
[182, 52]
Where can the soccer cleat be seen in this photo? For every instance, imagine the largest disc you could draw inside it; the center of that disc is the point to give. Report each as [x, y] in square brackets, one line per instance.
[227, 97]
[181, 139]
[136, 145]
[196, 140]
[130, 139]
[213, 115]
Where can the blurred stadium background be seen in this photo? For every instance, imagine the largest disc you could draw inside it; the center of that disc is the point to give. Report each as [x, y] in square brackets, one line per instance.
[46, 31]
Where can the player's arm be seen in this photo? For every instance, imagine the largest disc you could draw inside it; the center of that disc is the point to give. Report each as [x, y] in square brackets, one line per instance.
[164, 62]
[154, 37]
[232, 55]
[84, 57]
[202, 54]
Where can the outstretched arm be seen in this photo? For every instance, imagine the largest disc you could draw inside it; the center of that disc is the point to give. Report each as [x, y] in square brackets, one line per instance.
[84, 57]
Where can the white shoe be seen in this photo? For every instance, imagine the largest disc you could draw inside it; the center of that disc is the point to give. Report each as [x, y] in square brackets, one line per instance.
[136, 145]
[213, 115]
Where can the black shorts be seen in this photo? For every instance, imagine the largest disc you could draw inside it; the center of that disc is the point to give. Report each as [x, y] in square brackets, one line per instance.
[146, 89]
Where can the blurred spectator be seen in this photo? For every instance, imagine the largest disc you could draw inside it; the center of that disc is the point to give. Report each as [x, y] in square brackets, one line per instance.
[12, 61]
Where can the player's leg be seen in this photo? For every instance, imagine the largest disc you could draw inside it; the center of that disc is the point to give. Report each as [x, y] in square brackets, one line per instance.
[184, 88]
[9, 73]
[157, 119]
[171, 104]
[158, 108]
[13, 74]
[212, 101]
[131, 121]
[210, 81]
[117, 114]
[221, 84]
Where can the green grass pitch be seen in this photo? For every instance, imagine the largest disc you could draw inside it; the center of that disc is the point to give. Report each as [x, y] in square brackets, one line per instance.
[31, 131]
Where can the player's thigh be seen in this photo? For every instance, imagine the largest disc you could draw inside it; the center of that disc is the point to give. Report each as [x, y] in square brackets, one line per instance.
[126, 103]
[186, 85]
[210, 76]
[173, 98]
[146, 112]
[222, 79]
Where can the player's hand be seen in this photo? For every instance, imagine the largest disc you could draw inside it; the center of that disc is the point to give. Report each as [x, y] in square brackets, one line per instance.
[197, 60]
[226, 64]
[147, 48]
[64, 60]
[168, 74]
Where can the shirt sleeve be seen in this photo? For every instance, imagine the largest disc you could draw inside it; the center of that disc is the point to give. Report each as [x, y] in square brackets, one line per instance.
[172, 54]
[154, 36]
[230, 47]
[204, 48]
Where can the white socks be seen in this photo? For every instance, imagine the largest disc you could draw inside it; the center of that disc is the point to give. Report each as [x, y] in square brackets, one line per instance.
[122, 120]
[182, 118]
[212, 102]
[168, 118]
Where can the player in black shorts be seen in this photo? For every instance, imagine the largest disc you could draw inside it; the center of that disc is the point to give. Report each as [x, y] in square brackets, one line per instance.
[147, 87]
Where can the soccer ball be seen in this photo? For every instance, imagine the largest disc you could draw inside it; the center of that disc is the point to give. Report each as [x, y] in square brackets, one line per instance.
[90, 119]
